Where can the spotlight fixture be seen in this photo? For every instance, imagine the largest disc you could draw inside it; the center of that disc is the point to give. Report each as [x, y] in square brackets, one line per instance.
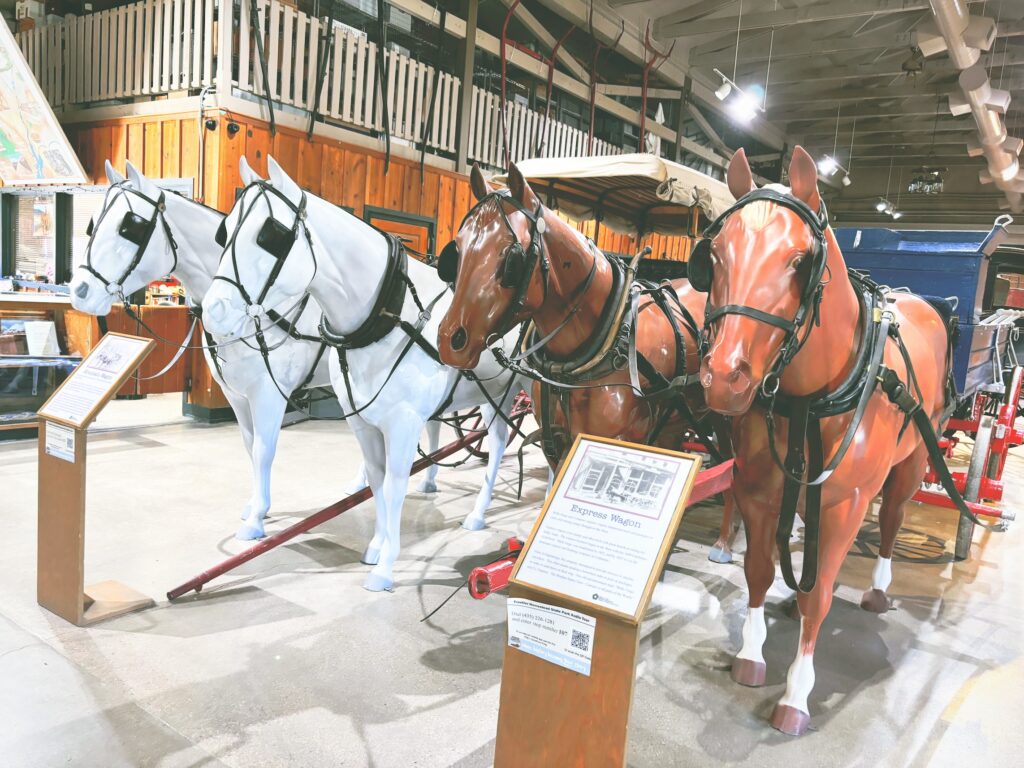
[928, 181]
[896, 214]
[883, 205]
[743, 106]
[827, 165]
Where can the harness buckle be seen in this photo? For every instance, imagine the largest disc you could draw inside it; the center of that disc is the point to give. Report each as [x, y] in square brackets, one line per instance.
[769, 391]
[113, 289]
[254, 310]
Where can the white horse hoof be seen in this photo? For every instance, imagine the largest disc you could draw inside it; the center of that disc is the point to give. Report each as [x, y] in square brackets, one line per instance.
[473, 523]
[375, 583]
[250, 532]
[371, 556]
[720, 555]
[427, 486]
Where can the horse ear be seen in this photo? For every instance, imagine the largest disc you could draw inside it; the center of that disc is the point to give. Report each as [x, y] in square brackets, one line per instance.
[803, 178]
[478, 183]
[740, 179]
[246, 173]
[520, 190]
[134, 176]
[282, 180]
[113, 175]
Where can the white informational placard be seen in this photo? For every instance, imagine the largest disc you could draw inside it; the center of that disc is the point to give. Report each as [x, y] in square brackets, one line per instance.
[60, 441]
[96, 379]
[606, 523]
[558, 635]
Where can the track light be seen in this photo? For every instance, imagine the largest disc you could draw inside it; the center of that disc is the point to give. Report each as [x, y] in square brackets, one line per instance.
[827, 165]
[882, 205]
[723, 91]
[744, 105]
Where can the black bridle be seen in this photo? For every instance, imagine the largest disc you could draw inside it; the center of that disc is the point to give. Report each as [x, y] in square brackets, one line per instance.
[135, 229]
[275, 237]
[701, 272]
[518, 263]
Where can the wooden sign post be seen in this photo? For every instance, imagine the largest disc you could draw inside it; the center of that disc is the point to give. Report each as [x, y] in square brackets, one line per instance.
[64, 418]
[577, 595]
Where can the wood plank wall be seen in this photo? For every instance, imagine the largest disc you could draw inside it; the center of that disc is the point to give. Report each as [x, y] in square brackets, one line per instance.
[347, 175]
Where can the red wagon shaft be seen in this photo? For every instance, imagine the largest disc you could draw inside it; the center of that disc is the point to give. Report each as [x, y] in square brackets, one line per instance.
[329, 513]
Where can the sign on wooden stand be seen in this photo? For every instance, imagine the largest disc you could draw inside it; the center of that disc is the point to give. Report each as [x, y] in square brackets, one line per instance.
[576, 598]
[64, 419]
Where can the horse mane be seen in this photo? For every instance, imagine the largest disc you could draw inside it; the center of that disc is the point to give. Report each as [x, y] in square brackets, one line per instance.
[757, 214]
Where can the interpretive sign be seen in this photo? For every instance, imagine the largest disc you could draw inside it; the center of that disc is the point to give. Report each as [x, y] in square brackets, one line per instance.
[607, 524]
[558, 635]
[60, 442]
[77, 401]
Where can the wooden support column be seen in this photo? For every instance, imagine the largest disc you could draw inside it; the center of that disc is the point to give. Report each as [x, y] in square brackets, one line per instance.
[8, 233]
[684, 99]
[225, 45]
[467, 60]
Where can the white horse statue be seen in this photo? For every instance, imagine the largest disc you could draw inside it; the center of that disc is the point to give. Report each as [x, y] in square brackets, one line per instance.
[182, 243]
[282, 242]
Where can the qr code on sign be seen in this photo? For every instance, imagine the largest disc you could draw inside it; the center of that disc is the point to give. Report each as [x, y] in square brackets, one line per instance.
[580, 640]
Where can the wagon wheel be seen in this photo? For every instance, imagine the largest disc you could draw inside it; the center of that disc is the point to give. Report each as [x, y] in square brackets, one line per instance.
[977, 469]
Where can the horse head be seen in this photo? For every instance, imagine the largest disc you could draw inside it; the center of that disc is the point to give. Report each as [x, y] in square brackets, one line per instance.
[268, 257]
[763, 264]
[495, 269]
[129, 244]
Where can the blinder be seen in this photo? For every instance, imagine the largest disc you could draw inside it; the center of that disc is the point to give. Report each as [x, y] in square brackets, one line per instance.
[448, 263]
[276, 238]
[90, 227]
[699, 266]
[134, 228]
[513, 266]
[221, 237]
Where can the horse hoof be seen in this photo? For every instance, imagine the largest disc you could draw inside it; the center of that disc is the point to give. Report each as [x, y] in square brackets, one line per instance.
[748, 672]
[720, 554]
[371, 556]
[427, 486]
[375, 583]
[876, 601]
[790, 720]
[473, 523]
[250, 533]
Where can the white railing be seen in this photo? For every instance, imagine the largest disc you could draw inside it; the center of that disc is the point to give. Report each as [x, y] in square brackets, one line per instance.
[148, 48]
[528, 134]
[158, 47]
[291, 40]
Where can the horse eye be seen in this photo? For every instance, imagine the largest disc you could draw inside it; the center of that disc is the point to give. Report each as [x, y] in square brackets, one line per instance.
[796, 262]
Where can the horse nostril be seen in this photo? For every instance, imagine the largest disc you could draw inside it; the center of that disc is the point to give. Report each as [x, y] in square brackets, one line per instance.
[81, 290]
[459, 339]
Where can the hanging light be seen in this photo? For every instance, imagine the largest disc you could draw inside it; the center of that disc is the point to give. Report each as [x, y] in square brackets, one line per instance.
[827, 165]
[723, 91]
[883, 205]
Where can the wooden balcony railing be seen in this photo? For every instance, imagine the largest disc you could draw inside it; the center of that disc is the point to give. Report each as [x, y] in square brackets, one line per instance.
[169, 47]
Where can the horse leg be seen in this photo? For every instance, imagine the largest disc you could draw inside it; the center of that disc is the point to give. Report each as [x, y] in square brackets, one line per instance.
[839, 526]
[358, 482]
[721, 550]
[401, 435]
[760, 522]
[371, 443]
[904, 479]
[497, 439]
[267, 412]
[243, 415]
[429, 482]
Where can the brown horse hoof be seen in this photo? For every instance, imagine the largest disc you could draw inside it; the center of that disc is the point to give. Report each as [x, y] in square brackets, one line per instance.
[876, 601]
[790, 720]
[748, 673]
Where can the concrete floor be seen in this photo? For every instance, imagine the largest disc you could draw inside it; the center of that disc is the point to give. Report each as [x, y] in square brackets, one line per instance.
[291, 663]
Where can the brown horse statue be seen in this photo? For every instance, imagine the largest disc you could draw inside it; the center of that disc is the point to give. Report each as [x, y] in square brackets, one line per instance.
[787, 324]
[519, 262]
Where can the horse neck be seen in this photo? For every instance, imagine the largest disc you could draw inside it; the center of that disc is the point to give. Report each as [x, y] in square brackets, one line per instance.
[351, 262]
[831, 349]
[194, 227]
[571, 260]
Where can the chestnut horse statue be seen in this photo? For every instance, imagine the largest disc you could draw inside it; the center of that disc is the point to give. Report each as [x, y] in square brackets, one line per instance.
[517, 262]
[787, 324]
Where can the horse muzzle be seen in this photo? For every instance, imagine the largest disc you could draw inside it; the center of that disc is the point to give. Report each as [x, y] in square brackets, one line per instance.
[729, 385]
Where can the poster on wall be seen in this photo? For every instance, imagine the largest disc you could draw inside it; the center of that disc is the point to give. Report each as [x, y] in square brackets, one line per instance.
[33, 147]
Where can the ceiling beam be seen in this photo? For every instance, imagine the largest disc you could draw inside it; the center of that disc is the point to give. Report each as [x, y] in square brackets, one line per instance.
[540, 31]
[678, 23]
[708, 130]
[796, 45]
[609, 89]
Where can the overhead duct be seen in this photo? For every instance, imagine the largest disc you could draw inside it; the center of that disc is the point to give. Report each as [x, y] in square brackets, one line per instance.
[964, 37]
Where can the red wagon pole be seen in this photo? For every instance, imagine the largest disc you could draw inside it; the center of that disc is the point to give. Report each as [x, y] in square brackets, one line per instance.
[471, 437]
